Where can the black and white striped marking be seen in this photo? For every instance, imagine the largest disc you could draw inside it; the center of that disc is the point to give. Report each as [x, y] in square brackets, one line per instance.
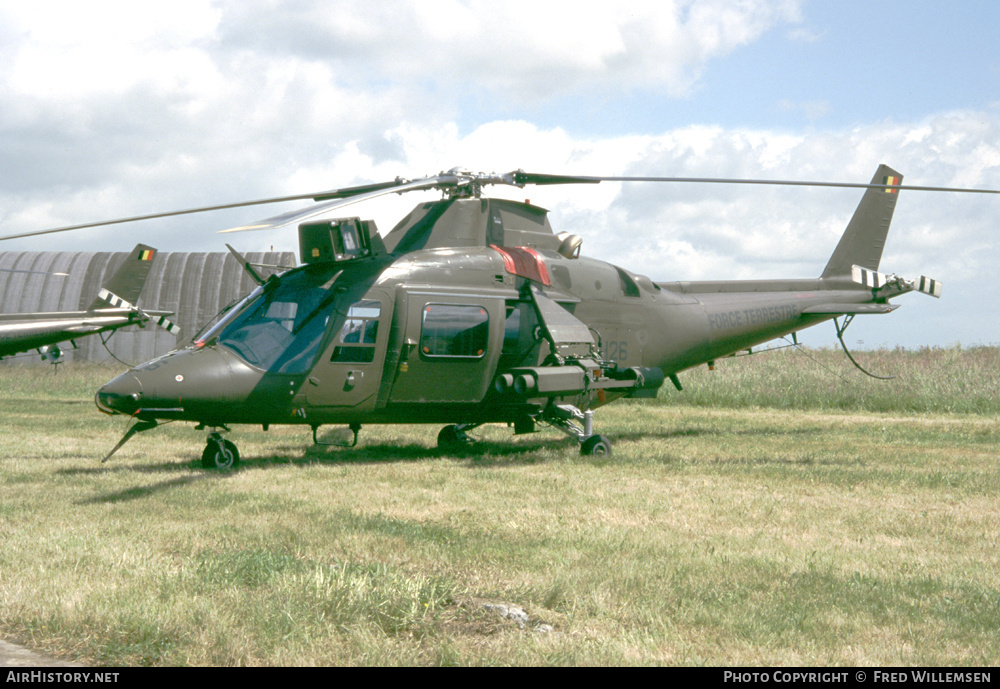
[118, 302]
[876, 280]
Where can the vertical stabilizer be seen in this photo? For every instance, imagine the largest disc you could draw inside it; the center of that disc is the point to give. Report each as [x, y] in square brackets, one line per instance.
[863, 240]
[129, 279]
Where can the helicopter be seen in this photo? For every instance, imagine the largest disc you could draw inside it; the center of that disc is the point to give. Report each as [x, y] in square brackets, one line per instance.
[473, 311]
[113, 307]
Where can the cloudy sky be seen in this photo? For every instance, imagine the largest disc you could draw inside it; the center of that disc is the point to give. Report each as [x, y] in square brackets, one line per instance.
[114, 109]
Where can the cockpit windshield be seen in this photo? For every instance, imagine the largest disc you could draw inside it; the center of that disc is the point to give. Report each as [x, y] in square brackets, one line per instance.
[279, 327]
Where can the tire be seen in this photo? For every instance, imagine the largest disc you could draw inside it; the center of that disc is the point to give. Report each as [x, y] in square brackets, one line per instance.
[451, 439]
[596, 445]
[448, 438]
[225, 458]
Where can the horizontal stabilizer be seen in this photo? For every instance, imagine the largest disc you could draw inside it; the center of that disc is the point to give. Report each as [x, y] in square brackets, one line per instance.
[846, 309]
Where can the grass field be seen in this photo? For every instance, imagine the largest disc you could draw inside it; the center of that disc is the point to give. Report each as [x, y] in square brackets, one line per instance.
[782, 510]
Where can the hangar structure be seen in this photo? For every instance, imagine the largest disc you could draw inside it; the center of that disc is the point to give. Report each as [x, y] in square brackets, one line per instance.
[192, 286]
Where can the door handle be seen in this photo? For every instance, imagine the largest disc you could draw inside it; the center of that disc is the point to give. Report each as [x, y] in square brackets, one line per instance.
[353, 378]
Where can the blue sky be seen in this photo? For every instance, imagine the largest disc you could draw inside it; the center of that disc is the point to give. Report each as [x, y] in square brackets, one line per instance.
[840, 64]
[114, 109]
[859, 62]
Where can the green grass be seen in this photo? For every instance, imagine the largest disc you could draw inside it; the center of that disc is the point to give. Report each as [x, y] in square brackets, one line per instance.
[964, 381]
[805, 517]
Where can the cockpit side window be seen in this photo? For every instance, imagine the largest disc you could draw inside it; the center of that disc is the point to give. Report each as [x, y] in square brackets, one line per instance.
[356, 342]
[628, 285]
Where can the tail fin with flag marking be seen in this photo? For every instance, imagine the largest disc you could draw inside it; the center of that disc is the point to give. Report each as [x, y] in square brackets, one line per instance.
[129, 279]
[863, 240]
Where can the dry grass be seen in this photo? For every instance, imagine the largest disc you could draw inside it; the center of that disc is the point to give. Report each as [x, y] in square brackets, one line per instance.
[721, 535]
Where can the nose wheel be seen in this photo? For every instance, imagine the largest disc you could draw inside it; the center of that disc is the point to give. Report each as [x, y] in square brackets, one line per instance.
[220, 453]
[595, 445]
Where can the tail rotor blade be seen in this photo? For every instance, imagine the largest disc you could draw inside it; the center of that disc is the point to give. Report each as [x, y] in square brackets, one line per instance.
[120, 303]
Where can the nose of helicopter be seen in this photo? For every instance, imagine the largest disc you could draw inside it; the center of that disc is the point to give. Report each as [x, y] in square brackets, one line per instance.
[160, 385]
[120, 395]
[193, 384]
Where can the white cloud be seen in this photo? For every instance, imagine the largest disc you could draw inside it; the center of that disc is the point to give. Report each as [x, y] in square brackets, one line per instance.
[519, 50]
[108, 114]
[68, 50]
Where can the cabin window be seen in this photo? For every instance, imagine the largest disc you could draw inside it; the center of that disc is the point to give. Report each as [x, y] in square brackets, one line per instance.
[629, 286]
[454, 330]
[356, 343]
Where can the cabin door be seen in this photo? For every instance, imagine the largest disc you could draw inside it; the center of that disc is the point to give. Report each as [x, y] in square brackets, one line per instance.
[450, 348]
[349, 371]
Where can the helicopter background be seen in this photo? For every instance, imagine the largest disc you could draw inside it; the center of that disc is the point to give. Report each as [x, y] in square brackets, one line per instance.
[113, 109]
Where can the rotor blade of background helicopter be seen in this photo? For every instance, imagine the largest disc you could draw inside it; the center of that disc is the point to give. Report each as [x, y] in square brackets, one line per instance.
[303, 213]
[521, 177]
[32, 272]
[318, 196]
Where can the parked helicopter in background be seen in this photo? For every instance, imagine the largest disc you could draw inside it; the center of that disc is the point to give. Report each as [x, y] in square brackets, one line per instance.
[473, 311]
[113, 307]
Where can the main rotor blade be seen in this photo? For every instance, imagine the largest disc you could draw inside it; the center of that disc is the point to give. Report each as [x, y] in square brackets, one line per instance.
[333, 193]
[454, 178]
[377, 190]
[521, 177]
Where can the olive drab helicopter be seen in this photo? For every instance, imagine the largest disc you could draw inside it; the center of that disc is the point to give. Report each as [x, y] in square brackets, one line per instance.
[471, 311]
[114, 307]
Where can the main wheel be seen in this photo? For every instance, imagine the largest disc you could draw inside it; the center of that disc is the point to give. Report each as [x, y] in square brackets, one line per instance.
[596, 445]
[451, 438]
[216, 457]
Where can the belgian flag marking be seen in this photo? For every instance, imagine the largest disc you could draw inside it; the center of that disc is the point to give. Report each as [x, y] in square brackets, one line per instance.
[891, 181]
[147, 255]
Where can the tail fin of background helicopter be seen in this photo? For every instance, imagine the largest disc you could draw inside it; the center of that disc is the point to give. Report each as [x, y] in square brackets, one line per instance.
[862, 242]
[128, 280]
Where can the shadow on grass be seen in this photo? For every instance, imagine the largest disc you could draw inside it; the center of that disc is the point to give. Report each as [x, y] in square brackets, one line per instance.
[145, 491]
[719, 432]
[480, 453]
[522, 452]
[125, 464]
[18, 403]
[477, 455]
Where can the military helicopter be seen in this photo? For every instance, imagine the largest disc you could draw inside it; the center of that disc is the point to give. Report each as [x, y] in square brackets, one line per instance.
[113, 307]
[472, 310]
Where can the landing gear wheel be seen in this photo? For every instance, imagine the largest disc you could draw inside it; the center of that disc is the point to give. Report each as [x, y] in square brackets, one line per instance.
[220, 454]
[451, 438]
[596, 445]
